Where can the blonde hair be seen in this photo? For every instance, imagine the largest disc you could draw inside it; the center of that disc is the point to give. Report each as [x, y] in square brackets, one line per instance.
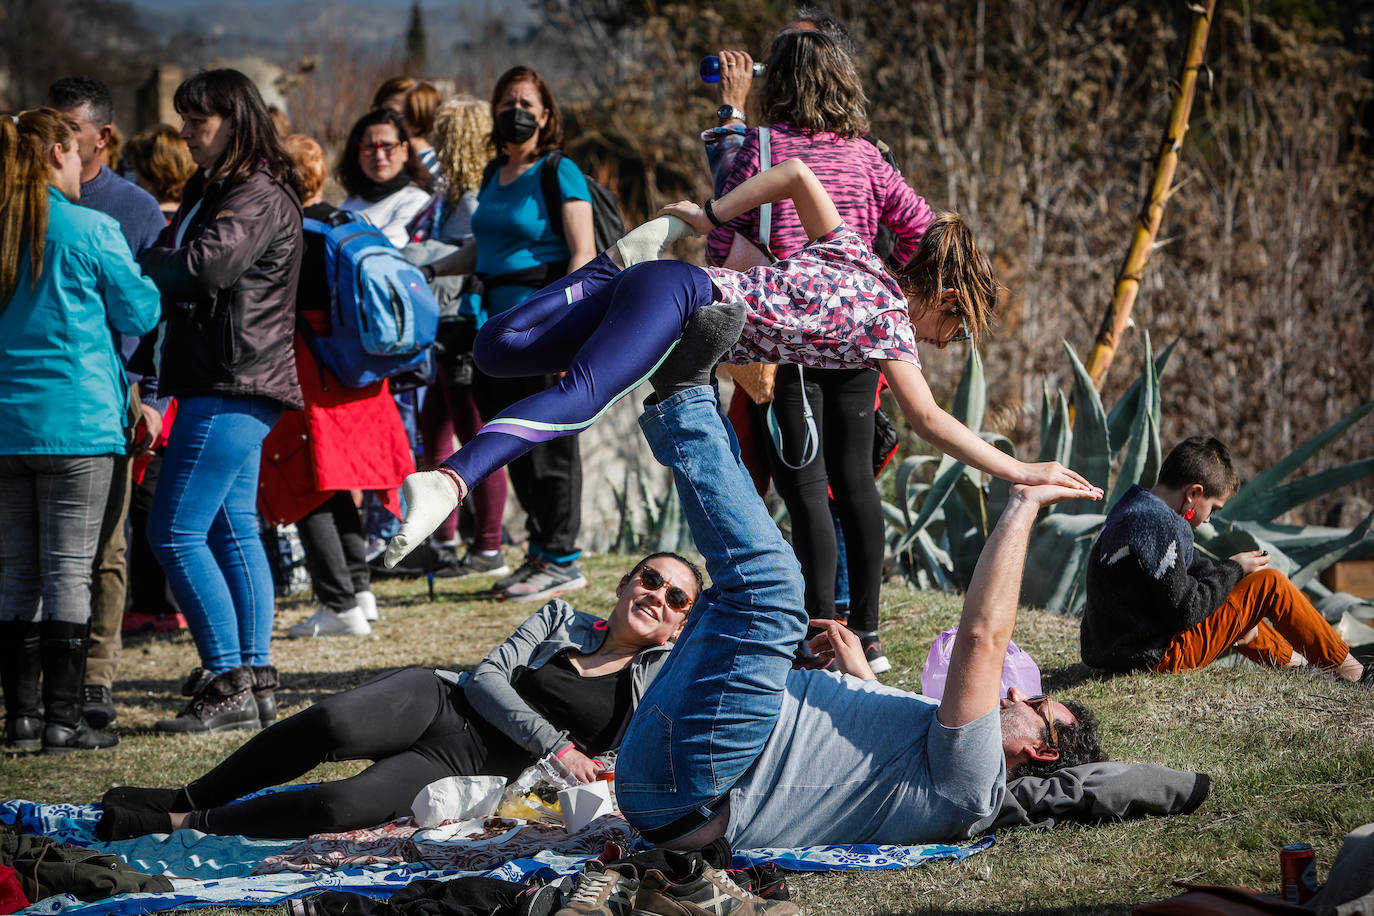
[462, 140]
[162, 159]
[310, 162]
[24, 146]
[948, 258]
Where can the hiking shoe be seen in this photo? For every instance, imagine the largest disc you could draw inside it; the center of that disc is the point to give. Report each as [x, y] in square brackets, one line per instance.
[602, 890]
[547, 580]
[368, 602]
[325, 622]
[873, 651]
[97, 706]
[476, 563]
[711, 893]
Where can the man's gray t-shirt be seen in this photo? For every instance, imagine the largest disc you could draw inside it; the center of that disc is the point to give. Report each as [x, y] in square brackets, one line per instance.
[853, 761]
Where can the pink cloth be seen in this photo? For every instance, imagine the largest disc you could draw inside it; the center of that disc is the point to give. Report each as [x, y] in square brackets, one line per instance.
[866, 190]
[830, 306]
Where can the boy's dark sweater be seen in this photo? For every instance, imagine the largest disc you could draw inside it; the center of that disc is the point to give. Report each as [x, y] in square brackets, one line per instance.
[1146, 584]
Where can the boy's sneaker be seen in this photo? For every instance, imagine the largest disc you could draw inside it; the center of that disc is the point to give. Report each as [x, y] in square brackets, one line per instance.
[873, 651]
[546, 580]
[325, 622]
[602, 890]
[476, 563]
[711, 893]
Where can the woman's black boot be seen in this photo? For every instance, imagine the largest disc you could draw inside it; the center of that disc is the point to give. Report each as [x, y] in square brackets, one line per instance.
[21, 667]
[63, 649]
[222, 703]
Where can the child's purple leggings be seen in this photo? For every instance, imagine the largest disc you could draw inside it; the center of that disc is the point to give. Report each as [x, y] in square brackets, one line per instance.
[607, 329]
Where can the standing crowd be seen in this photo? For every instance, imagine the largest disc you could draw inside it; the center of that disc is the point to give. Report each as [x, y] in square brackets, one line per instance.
[160, 332]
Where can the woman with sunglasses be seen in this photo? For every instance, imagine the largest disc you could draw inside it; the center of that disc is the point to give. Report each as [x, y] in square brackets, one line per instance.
[564, 682]
[372, 169]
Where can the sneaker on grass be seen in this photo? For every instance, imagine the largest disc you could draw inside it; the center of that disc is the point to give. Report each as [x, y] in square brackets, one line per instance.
[325, 622]
[528, 567]
[476, 563]
[546, 580]
[873, 651]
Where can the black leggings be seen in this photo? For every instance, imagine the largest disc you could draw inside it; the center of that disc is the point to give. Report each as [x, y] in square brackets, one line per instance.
[336, 551]
[842, 403]
[416, 727]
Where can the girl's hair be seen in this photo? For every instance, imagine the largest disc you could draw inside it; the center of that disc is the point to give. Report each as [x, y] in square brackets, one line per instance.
[253, 139]
[161, 159]
[1204, 460]
[309, 159]
[812, 83]
[462, 140]
[421, 100]
[24, 146]
[948, 258]
[349, 169]
[551, 137]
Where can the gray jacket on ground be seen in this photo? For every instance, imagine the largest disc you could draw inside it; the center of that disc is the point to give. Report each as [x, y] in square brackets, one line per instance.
[1094, 792]
[554, 627]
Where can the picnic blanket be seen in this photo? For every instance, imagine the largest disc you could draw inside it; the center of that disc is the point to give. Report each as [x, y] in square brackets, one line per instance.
[210, 870]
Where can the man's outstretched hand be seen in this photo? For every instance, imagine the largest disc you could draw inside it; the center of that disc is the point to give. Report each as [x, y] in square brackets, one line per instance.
[1042, 495]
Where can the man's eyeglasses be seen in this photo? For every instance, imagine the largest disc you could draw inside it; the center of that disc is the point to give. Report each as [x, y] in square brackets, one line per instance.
[384, 148]
[653, 580]
[1041, 704]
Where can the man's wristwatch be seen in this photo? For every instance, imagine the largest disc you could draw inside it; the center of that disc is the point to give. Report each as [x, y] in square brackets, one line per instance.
[729, 113]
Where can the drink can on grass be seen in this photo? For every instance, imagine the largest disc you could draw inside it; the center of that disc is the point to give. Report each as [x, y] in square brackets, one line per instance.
[1298, 867]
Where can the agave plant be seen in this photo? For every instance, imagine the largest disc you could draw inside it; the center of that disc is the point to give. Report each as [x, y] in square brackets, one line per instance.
[938, 526]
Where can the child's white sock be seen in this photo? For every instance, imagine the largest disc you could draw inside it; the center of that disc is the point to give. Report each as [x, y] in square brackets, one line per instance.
[646, 242]
[430, 497]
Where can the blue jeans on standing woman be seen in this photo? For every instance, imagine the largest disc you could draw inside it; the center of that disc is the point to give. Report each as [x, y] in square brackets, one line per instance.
[203, 527]
[706, 716]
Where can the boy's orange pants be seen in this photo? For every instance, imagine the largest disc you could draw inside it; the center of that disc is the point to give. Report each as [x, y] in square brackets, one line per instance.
[1285, 618]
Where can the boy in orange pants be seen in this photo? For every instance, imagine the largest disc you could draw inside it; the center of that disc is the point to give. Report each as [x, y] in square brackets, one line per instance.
[1154, 602]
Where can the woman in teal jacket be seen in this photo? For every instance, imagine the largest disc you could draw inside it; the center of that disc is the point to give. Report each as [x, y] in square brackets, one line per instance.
[66, 278]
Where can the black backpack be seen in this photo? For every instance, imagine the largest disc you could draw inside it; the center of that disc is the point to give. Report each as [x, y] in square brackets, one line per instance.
[607, 224]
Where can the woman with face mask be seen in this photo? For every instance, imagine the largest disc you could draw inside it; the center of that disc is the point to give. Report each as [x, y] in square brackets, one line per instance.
[518, 250]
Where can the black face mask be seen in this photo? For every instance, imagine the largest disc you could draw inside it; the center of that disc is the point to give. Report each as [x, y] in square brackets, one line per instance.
[516, 125]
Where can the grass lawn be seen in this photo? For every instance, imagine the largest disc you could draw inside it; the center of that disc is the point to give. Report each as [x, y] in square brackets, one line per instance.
[1291, 756]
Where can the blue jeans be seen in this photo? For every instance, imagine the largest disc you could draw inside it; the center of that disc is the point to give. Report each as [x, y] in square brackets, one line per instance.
[51, 507]
[203, 527]
[706, 716]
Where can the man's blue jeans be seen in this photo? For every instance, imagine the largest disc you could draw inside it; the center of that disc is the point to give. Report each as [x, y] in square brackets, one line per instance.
[705, 718]
[203, 527]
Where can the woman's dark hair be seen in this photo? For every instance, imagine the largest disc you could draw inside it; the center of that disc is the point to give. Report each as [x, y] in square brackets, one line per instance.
[813, 84]
[1078, 744]
[349, 170]
[1204, 460]
[253, 139]
[696, 573]
[551, 136]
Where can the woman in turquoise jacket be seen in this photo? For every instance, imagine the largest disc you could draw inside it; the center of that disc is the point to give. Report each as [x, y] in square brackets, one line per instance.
[66, 278]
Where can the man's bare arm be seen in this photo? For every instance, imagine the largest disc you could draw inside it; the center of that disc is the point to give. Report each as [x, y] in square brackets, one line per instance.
[973, 687]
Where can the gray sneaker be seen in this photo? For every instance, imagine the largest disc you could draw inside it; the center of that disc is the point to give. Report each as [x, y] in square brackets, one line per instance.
[475, 563]
[547, 579]
[711, 893]
[528, 567]
[602, 890]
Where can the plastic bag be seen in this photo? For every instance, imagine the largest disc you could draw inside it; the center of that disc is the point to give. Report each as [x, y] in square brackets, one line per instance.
[457, 798]
[1019, 670]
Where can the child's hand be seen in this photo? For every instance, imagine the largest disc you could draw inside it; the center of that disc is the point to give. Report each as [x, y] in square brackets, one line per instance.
[1054, 473]
[689, 213]
[1252, 561]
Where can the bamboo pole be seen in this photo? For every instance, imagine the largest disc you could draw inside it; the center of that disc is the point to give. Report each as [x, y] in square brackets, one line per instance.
[1142, 241]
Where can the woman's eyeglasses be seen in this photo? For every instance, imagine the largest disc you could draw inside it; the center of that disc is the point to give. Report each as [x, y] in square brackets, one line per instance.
[653, 580]
[1041, 704]
[384, 148]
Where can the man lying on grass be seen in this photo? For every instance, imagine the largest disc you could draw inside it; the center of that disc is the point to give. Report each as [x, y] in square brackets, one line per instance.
[730, 741]
[1155, 603]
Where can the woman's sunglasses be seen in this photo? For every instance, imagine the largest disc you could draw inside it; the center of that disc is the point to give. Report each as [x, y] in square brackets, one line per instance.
[653, 580]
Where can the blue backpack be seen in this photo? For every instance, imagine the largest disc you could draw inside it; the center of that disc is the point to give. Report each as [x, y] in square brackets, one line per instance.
[383, 316]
